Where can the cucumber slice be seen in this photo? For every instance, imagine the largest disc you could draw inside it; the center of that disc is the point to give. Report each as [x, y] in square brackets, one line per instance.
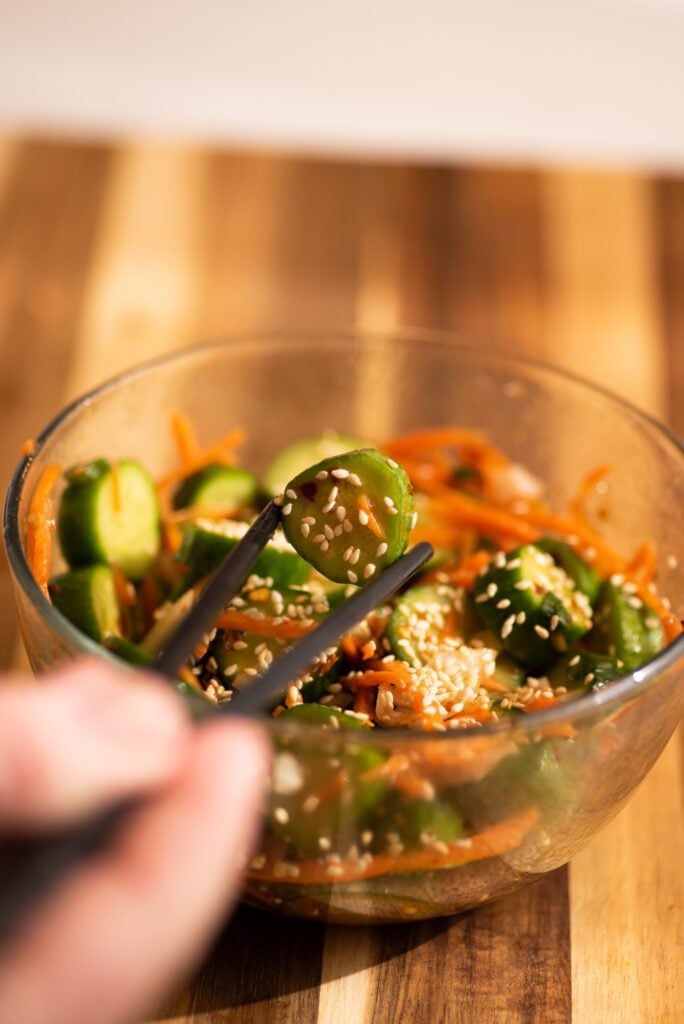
[109, 513]
[349, 516]
[129, 652]
[584, 577]
[420, 620]
[508, 672]
[625, 628]
[419, 823]
[532, 605]
[584, 668]
[206, 543]
[306, 452]
[87, 598]
[318, 714]
[217, 488]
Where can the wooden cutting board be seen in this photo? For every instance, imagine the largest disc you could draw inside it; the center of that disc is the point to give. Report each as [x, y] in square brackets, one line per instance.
[112, 255]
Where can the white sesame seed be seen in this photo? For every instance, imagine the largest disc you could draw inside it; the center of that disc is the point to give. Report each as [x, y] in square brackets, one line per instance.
[523, 585]
[671, 562]
[354, 480]
[325, 545]
[328, 532]
[414, 520]
[352, 577]
[338, 531]
[382, 550]
[617, 579]
[589, 678]
[341, 512]
[393, 464]
[543, 633]
[322, 474]
[481, 598]
[363, 517]
[281, 815]
[309, 520]
[348, 553]
[347, 526]
[304, 529]
[319, 538]
[635, 602]
[507, 627]
[499, 561]
[574, 661]
[389, 502]
[554, 622]
[491, 590]
[514, 563]
[287, 508]
[368, 571]
[504, 603]
[340, 474]
[292, 495]
[355, 555]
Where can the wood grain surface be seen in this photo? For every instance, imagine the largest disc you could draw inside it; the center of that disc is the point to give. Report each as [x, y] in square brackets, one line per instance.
[110, 255]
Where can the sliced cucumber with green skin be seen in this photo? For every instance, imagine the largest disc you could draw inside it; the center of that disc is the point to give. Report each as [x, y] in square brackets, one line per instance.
[323, 717]
[306, 452]
[532, 605]
[418, 823]
[584, 668]
[132, 654]
[584, 577]
[349, 516]
[217, 488]
[87, 598]
[625, 628]
[109, 513]
[206, 543]
[508, 672]
[420, 620]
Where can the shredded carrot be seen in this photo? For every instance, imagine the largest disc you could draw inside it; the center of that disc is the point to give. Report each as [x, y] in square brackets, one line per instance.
[588, 485]
[491, 842]
[125, 591]
[221, 451]
[28, 447]
[288, 629]
[377, 678]
[39, 527]
[350, 647]
[185, 436]
[489, 519]
[542, 703]
[644, 565]
[364, 702]
[364, 505]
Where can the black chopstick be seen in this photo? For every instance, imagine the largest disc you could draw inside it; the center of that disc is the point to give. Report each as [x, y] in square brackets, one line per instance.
[29, 868]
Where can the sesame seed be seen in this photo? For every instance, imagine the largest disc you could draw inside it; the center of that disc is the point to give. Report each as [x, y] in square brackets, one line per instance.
[340, 474]
[338, 531]
[504, 603]
[507, 627]
[287, 508]
[325, 545]
[635, 602]
[319, 538]
[347, 526]
[499, 560]
[348, 553]
[279, 499]
[382, 550]
[523, 585]
[520, 618]
[589, 678]
[341, 512]
[393, 464]
[368, 571]
[481, 598]
[554, 622]
[328, 532]
[671, 562]
[652, 622]
[239, 645]
[514, 563]
[355, 555]
[574, 661]
[328, 508]
[354, 480]
[491, 590]
[281, 816]
[352, 577]
[292, 495]
[304, 529]
[322, 475]
[309, 520]
[363, 517]
[617, 579]
[414, 520]
[332, 497]
[543, 633]
[389, 502]
[324, 843]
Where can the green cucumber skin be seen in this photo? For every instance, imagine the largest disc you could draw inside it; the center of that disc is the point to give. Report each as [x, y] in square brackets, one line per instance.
[318, 714]
[311, 495]
[533, 650]
[203, 550]
[217, 487]
[621, 631]
[92, 532]
[294, 459]
[585, 578]
[585, 668]
[87, 598]
[129, 652]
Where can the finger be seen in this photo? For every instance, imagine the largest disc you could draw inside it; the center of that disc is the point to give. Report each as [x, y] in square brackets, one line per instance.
[83, 739]
[114, 938]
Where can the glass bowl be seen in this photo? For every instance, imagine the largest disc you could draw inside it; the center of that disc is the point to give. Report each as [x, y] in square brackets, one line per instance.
[345, 837]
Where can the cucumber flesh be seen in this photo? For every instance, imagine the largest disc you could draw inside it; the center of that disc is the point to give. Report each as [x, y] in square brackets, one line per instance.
[349, 516]
[532, 605]
[584, 577]
[206, 543]
[323, 717]
[422, 617]
[625, 628]
[307, 451]
[87, 598]
[584, 668]
[109, 513]
[217, 488]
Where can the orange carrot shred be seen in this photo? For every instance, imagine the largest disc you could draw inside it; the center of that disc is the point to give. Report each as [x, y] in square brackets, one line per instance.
[185, 436]
[39, 527]
[364, 505]
[28, 447]
[289, 629]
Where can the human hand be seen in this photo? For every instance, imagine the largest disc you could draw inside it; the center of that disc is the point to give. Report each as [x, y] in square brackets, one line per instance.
[109, 941]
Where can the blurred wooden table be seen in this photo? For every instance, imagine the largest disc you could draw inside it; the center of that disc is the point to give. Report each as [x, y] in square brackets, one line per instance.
[112, 255]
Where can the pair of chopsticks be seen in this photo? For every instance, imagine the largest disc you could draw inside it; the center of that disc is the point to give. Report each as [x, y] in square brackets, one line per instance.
[30, 868]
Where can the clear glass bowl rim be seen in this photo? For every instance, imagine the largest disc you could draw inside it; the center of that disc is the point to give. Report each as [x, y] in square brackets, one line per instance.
[625, 689]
